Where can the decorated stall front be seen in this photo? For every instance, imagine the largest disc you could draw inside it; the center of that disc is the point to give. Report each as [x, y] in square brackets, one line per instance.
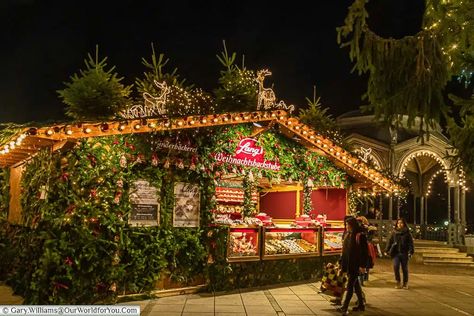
[228, 200]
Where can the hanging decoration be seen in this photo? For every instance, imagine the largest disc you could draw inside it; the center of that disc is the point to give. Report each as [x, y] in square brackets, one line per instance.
[307, 190]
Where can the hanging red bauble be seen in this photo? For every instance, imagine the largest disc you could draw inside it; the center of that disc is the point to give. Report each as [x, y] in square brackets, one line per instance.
[64, 176]
[154, 160]
[68, 261]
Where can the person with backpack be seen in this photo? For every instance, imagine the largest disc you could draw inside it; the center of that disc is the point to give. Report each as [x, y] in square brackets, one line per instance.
[353, 262]
[400, 247]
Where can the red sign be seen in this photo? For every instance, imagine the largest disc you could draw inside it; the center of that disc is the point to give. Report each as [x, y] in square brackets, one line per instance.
[248, 148]
[248, 154]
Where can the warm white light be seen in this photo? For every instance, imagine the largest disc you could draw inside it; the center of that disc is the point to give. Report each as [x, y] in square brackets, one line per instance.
[87, 130]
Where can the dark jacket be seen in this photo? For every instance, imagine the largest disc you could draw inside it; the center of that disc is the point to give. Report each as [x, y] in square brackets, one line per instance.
[403, 242]
[354, 253]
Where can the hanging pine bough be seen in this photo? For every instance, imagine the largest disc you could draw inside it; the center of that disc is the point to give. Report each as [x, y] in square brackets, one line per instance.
[407, 76]
[462, 135]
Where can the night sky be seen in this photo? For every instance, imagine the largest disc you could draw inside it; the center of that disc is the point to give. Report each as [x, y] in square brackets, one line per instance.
[44, 42]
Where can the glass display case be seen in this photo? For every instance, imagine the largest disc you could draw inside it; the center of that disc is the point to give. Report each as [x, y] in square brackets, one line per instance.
[290, 242]
[243, 244]
[332, 240]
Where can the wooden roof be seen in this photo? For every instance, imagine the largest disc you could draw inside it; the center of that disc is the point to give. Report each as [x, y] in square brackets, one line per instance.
[29, 141]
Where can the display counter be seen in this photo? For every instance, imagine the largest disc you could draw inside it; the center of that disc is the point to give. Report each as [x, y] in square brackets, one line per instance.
[243, 244]
[332, 240]
[282, 243]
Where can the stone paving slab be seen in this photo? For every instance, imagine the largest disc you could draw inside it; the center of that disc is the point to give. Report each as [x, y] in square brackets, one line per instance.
[431, 293]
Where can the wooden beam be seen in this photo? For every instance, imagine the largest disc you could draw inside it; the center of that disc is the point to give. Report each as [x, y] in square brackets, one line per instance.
[336, 154]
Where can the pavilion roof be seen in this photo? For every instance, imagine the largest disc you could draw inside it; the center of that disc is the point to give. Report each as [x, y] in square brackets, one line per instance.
[30, 140]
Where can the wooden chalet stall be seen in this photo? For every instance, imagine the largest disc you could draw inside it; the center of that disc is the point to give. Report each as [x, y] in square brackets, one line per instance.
[264, 168]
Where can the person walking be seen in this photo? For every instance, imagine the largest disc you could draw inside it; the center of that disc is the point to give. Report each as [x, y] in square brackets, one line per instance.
[353, 262]
[369, 232]
[400, 247]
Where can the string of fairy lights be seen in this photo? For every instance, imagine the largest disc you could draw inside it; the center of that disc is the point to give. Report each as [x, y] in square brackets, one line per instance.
[16, 142]
[61, 132]
[454, 179]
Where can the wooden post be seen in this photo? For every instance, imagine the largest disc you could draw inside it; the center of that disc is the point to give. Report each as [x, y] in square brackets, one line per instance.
[15, 210]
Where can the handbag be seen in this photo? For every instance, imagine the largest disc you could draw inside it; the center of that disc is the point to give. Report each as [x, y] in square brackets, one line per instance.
[334, 280]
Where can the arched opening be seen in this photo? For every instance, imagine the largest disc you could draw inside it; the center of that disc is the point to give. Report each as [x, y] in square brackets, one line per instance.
[427, 202]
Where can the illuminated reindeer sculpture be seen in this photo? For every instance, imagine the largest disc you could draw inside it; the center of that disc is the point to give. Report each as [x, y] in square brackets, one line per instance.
[266, 96]
[152, 105]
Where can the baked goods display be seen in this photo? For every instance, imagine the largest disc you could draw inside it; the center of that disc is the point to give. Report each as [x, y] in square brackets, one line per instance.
[229, 209]
[287, 243]
[333, 241]
[233, 195]
[243, 244]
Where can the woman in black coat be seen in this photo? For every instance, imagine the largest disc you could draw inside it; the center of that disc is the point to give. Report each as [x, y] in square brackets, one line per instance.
[400, 247]
[353, 262]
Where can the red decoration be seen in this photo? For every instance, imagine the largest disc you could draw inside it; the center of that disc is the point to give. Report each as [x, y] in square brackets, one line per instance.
[68, 261]
[58, 285]
[154, 160]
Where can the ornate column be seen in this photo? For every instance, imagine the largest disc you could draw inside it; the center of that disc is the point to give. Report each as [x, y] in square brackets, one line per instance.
[426, 212]
[449, 204]
[391, 162]
[456, 205]
[414, 209]
[457, 217]
[463, 207]
[422, 210]
[390, 208]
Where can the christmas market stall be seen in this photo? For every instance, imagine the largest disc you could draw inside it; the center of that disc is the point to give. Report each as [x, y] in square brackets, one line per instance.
[97, 209]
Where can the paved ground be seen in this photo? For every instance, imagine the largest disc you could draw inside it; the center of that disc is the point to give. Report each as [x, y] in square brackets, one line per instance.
[431, 294]
[433, 291]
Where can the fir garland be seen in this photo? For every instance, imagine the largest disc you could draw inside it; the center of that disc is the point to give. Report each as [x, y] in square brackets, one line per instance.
[307, 190]
[249, 187]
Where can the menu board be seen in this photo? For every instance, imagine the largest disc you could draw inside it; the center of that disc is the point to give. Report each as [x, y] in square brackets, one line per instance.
[187, 205]
[145, 204]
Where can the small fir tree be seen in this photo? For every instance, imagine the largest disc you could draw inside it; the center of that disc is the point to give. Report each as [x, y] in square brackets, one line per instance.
[319, 118]
[238, 88]
[96, 92]
[182, 98]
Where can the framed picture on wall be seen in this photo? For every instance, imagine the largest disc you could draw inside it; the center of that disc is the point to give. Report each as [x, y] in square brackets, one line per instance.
[144, 199]
[187, 205]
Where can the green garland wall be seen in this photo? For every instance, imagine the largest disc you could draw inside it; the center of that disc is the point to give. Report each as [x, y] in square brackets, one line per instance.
[80, 248]
[76, 245]
[4, 192]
